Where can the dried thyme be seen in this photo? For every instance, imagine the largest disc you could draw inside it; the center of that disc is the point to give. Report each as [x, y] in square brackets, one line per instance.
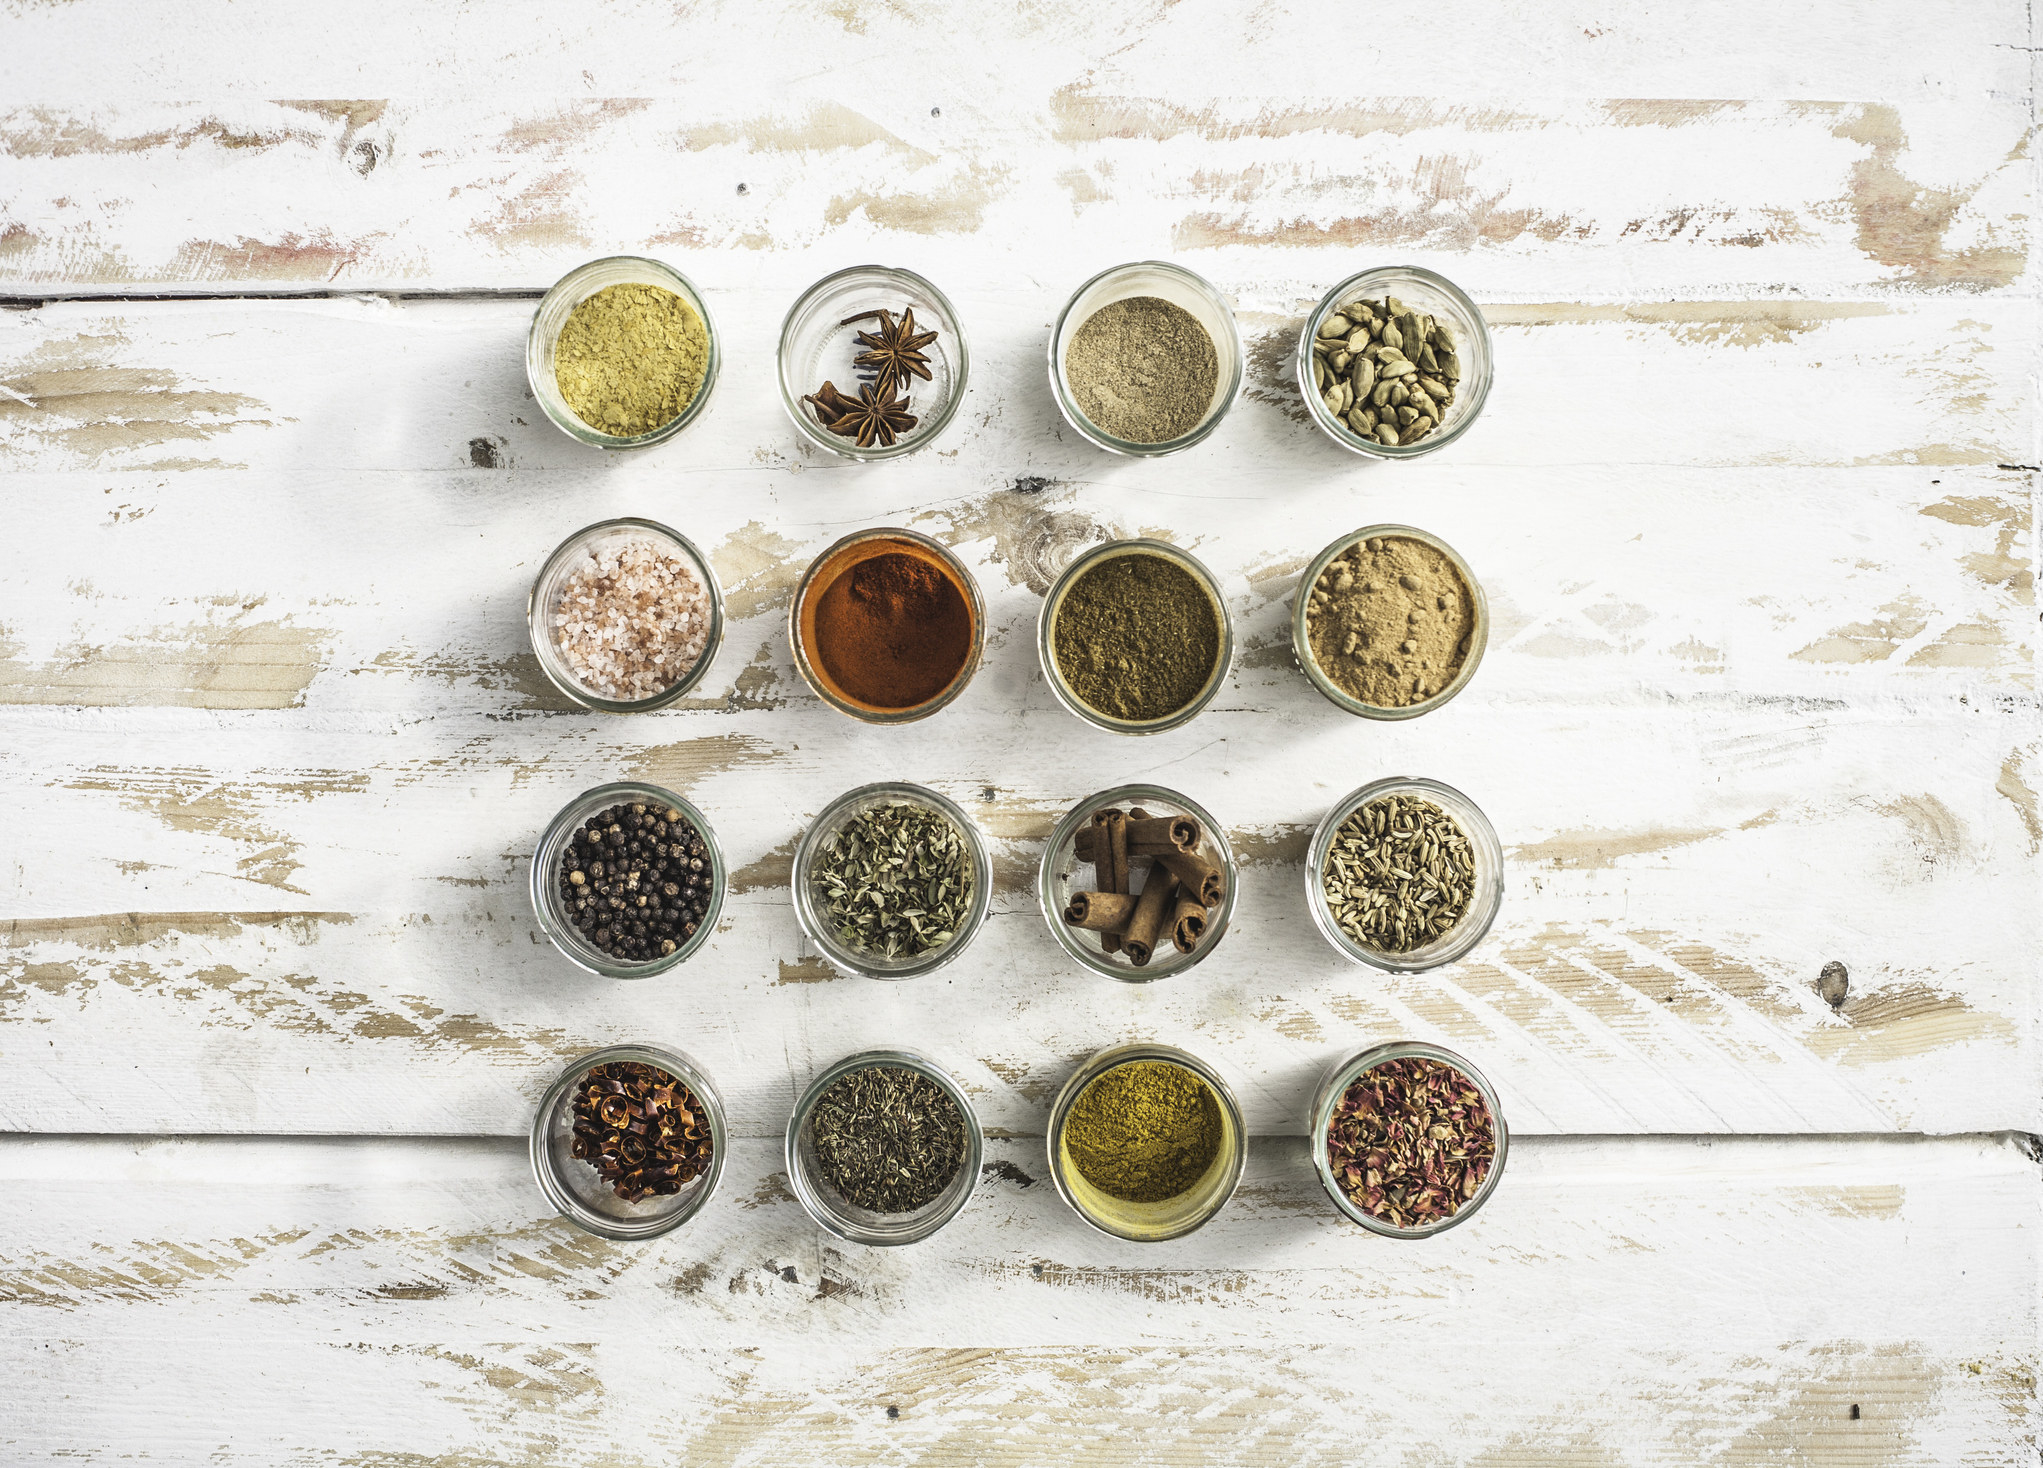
[887, 1138]
[895, 881]
[1399, 874]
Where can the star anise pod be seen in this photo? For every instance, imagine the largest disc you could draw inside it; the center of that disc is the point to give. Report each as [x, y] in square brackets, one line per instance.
[873, 418]
[829, 403]
[896, 350]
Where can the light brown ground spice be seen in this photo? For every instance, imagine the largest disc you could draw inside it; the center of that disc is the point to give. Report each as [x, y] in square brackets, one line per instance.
[1389, 621]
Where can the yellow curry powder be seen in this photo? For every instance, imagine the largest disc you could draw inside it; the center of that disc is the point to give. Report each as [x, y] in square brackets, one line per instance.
[1144, 1132]
[630, 358]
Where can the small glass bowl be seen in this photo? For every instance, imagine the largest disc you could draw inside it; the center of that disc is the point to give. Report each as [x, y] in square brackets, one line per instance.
[847, 1220]
[816, 345]
[545, 595]
[1319, 1115]
[838, 560]
[1458, 940]
[553, 919]
[1432, 295]
[1180, 287]
[1148, 1223]
[1301, 642]
[569, 292]
[1057, 879]
[1046, 649]
[575, 1189]
[810, 902]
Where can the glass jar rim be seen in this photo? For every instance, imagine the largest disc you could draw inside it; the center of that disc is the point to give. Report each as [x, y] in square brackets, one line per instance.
[1230, 350]
[1128, 1052]
[967, 583]
[1053, 600]
[536, 617]
[1339, 296]
[1067, 828]
[1301, 640]
[1459, 941]
[545, 1170]
[563, 934]
[565, 418]
[923, 435]
[808, 1190]
[871, 966]
[1334, 1084]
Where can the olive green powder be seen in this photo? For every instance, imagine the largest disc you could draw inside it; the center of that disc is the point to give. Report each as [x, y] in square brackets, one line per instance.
[1142, 369]
[1136, 636]
[630, 358]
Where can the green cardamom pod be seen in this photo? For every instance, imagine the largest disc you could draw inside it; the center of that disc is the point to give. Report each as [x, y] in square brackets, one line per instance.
[1386, 435]
[1363, 375]
[1335, 325]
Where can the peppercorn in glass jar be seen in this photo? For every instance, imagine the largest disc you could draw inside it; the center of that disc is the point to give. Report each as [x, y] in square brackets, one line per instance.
[628, 880]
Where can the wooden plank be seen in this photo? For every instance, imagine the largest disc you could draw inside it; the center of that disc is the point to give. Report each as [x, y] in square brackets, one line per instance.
[527, 48]
[409, 1303]
[366, 382]
[1608, 196]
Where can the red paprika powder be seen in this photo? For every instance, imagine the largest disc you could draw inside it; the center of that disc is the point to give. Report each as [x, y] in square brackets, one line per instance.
[887, 626]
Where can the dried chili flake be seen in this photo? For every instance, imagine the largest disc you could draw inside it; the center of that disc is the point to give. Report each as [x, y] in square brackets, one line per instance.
[1411, 1141]
[643, 1131]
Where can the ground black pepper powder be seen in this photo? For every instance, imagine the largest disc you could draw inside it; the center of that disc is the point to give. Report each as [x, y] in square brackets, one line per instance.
[1136, 636]
[636, 880]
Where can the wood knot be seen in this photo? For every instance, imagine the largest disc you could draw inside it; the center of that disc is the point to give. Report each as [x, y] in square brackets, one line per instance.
[1834, 983]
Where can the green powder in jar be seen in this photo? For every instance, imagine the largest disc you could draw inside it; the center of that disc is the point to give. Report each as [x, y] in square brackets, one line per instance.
[631, 358]
[1136, 636]
[1143, 369]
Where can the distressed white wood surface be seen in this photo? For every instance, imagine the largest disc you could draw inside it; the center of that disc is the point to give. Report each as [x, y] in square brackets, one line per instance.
[1743, 1301]
[1734, 690]
[1753, 501]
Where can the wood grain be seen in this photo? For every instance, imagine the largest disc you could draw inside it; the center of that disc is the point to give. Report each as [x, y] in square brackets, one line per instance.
[1754, 502]
[421, 1276]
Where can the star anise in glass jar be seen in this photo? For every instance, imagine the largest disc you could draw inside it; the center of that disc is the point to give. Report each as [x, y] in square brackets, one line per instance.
[895, 351]
[870, 418]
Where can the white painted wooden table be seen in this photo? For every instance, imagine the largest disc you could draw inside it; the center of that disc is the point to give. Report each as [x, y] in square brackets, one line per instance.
[1753, 499]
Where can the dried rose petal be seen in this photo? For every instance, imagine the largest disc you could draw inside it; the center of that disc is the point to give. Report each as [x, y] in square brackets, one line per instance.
[1410, 1141]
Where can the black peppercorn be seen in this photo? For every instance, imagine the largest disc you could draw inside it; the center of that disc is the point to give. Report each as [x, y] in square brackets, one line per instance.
[640, 892]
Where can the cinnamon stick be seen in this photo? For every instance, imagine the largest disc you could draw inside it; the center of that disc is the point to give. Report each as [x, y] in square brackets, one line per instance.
[1179, 831]
[1147, 923]
[1199, 874]
[1187, 920]
[1085, 849]
[1111, 833]
[1106, 913]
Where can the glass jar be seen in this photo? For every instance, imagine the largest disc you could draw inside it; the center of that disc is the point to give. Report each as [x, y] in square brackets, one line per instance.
[1432, 295]
[1319, 1115]
[569, 292]
[810, 901]
[578, 1191]
[1487, 896]
[1301, 642]
[837, 561]
[553, 917]
[1057, 879]
[1180, 287]
[1046, 631]
[846, 1219]
[545, 596]
[1148, 1223]
[816, 345]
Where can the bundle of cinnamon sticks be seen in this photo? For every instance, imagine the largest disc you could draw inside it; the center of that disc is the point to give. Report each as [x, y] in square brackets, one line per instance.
[1182, 883]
